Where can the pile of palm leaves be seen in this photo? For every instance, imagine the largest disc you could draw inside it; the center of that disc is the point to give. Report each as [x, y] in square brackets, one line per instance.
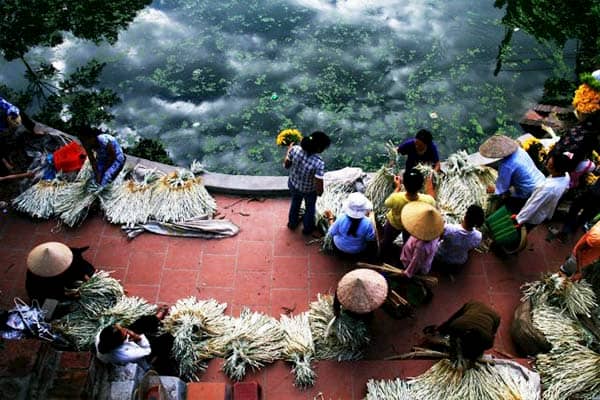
[396, 389]
[193, 323]
[483, 381]
[130, 202]
[461, 185]
[332, 199]
[299, 348]
[576, 298]
[556, 326]
[252, 341]
[378, 189]
[180, 196]
[341, 338]
[40, 199]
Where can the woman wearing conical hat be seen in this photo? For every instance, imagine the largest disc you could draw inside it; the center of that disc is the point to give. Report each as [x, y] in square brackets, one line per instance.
[425, 225]
[518, 176]
[53, 267]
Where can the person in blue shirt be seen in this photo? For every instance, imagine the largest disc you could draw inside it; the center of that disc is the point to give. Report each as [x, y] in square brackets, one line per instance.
[420, 150]
[353, 233]
[518, 176]
[104, 152]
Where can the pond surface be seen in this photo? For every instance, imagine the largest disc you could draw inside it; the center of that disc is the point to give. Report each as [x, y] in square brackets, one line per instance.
[217, 80]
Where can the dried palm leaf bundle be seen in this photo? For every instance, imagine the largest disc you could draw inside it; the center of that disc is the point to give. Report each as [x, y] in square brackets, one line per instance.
[192, 323]
[332, 199]
[482, 381]
[99, 293]
[396, 389]
[341, 338]
[556, 326]
[78, 328]
[569, 371]
[462, 185]
[130, 201]
[254, 340]
[378, 189]
[180, 196]
[126, 311]
[299, 348]
[40, 199]
[573, 297]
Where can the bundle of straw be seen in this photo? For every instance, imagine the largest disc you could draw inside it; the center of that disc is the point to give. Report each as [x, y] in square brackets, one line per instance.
[444, 381]
[341, 338]
[40, 199]
[127, 310]
[576, 298]
[253, 341]
[180, 196]
[332, 199]
[299, 348]
[395, 389]
[462, 185]
[570, 371]
[130, 201]
[99, 293]
[556, 326]
[192, 323]
[378, 189]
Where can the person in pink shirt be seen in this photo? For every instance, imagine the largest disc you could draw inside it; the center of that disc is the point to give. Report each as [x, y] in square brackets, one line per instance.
[425, 225]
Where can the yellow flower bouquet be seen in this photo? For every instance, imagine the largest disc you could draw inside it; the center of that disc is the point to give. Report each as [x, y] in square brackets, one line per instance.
[587, 95]
[287, 136]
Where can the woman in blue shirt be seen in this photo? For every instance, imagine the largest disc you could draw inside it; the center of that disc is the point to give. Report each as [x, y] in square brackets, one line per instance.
[353, 232]
[104, 152]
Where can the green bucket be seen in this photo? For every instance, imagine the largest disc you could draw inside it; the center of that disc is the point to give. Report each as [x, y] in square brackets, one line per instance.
[501, 227]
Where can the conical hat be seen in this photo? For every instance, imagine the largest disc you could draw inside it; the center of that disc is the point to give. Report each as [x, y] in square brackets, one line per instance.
[362, 290]
[498, 146]
[422, 220]
[49, 259]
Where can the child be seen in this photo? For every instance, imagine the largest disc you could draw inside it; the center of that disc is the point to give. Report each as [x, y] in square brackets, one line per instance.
[306, 178]
[459, 239]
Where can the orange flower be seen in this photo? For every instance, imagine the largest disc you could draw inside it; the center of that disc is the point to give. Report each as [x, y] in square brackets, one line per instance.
[586, 99]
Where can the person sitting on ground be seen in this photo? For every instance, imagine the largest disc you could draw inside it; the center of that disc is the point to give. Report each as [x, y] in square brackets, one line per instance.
[585, 253]
[516, 170]
[359, 293]
[104, 152]
[420, 150]
[306, 178]
[53, 268]
[353, 233]
[471, 330]
[459, 239]
[139, 343]
[413, 182]
[542, 203]
[425, 225]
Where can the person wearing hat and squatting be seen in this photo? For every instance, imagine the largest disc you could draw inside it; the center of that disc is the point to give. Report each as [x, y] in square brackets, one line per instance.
[104, 152]
[359, 293]
[306, 178]
[459, 239]
[542, 203]
[518, 176]
[425, 225]
[413, 182]
[53, 268]
[353, 233]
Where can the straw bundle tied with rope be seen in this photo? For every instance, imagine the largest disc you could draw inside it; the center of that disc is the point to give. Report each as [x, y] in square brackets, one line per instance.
[180, 196]
[378, 189]
[341, 338]
[253, 341]
[299, 348]
[461, 185]
[576, 298]
[130, 202]
[193, 323]
[40, 199]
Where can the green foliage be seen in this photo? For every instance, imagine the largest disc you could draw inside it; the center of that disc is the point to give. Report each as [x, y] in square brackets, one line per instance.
[151, 149]
[558, 91]
[26, 24]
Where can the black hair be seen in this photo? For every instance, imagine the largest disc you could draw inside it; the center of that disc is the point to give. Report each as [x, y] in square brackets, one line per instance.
[424, 136]
[475, 215]
[354, 224]
[560, 162]
[110, 338]
[317, 142]
[413, 180]
[87, 132]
